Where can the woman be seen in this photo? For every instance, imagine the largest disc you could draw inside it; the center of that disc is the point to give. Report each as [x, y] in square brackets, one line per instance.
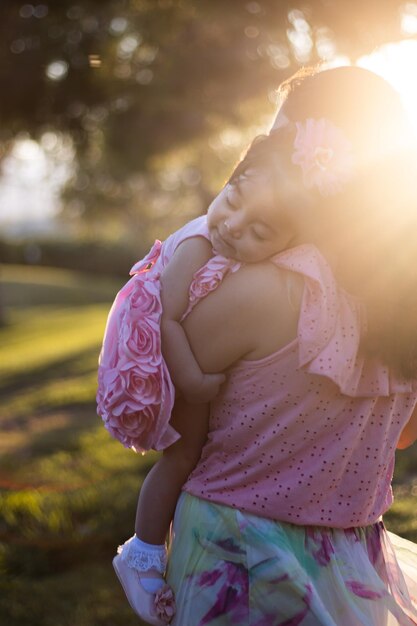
[280, 522]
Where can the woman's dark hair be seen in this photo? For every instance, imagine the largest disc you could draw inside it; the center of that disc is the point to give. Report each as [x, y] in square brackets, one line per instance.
[375, 216]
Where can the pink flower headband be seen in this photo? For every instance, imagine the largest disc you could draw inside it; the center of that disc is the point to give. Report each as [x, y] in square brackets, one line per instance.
[324, 154]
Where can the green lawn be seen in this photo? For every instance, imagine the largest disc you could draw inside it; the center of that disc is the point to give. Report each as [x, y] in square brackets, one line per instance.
[67, 490]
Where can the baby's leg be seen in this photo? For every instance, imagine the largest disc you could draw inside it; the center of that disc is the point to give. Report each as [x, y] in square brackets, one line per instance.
[140, 563]
[162, 486]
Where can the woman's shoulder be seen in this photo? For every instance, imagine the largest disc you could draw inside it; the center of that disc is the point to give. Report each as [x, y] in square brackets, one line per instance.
[267, 300]
[266, 284]
[247, 316]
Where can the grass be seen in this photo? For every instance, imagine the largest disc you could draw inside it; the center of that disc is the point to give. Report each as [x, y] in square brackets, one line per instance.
[28, 286]
[67, 490]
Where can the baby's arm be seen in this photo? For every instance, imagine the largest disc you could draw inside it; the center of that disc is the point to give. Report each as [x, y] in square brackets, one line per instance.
[176, 279]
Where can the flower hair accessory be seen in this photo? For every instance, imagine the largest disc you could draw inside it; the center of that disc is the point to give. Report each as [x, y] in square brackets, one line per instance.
[324, 154]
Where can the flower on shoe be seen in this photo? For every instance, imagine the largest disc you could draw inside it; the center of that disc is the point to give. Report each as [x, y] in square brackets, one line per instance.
[164, 603]
[324, 154]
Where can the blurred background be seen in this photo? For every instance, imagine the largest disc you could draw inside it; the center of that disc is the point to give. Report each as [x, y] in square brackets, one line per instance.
[119, 121]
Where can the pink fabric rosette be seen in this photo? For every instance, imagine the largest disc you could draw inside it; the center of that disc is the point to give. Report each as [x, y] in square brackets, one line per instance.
[149, 261]
[135, 394]
[165, 604]
[208, 278]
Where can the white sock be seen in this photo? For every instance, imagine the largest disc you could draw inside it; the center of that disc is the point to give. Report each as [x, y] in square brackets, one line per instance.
[152, 557]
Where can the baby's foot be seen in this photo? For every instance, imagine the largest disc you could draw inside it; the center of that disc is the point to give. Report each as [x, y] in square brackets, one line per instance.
[148, 594]
[151, 580]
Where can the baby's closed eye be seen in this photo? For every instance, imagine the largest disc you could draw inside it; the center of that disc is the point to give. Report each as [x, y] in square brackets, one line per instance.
[260, 235]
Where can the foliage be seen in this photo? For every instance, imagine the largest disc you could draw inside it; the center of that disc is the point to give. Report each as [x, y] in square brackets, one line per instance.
[165, 70]
[82, 254]
[134, 81]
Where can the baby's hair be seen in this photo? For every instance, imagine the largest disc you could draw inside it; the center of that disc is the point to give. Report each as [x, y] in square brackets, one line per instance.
[265, 152]
[375, 215]
[271, 154]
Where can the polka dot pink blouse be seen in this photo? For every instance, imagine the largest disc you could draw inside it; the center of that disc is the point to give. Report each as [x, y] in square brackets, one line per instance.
[308, 434]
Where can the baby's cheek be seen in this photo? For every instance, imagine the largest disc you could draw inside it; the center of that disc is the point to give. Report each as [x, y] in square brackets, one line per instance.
[254, 256]
[259, 251]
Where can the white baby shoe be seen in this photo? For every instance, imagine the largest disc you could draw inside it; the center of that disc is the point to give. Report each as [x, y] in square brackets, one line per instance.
[133, 564]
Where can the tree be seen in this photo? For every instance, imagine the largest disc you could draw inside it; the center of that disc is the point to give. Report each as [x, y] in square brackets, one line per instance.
[132, 80]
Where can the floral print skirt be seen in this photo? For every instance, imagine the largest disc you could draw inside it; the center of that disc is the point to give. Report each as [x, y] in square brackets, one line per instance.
[227, 567]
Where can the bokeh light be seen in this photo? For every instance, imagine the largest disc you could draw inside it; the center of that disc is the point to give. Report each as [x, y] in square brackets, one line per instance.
[57, 70]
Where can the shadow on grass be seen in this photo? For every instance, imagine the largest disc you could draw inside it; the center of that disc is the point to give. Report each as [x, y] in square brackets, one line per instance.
[63, 436]
[52, 533]
[88, 596]
[74, 364]
[24, 286]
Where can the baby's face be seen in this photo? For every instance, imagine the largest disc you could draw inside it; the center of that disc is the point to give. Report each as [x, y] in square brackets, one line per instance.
[248, 223]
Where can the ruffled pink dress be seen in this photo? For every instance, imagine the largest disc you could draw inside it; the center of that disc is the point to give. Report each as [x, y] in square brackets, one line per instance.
[135, 393]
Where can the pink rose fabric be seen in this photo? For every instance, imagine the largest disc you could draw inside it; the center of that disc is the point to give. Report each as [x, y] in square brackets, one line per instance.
[135, 394]
[208, 278]
[144, 265]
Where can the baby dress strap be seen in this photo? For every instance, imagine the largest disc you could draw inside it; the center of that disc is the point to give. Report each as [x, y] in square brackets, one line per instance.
[149, 261]
[208, 278]
[330, 327]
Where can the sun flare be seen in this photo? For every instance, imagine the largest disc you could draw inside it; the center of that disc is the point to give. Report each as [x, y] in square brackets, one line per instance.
[397, 63]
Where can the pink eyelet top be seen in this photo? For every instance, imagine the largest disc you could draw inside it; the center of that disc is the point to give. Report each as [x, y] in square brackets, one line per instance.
[308, 434]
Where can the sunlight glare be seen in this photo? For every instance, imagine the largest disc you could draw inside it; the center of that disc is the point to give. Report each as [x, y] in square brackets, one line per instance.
[32, 176]
[27, 150]
[397, 62]
[409, 19]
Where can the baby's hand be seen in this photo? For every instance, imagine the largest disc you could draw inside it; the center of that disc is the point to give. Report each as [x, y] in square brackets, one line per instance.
[206, 390]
